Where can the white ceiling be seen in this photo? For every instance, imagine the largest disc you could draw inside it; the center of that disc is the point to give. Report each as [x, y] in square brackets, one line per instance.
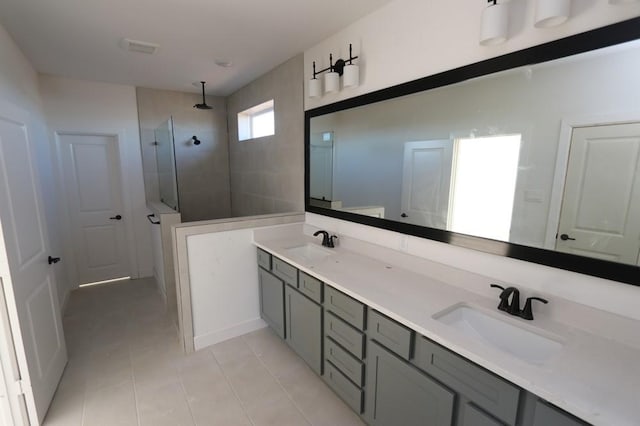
[80, 38]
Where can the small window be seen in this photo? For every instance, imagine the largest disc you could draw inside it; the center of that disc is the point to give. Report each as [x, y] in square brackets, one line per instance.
[256, 122]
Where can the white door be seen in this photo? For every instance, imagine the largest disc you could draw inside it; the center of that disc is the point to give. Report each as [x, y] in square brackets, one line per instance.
[600, 214]
[92, 183]
[321, 166]
[28, 279]
[425, 182]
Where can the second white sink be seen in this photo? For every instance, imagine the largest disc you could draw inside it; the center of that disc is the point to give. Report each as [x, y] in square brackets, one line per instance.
[500, 333]
[310, 252]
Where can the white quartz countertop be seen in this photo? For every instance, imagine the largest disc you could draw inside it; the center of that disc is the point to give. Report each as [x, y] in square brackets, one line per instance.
[595, 378]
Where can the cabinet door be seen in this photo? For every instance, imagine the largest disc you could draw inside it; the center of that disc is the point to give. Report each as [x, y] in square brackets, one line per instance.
[400, 394]
[272, 301]
[546, 415]
[304, 328]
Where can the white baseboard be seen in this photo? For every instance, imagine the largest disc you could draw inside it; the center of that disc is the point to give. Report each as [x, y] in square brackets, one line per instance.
[214, 337]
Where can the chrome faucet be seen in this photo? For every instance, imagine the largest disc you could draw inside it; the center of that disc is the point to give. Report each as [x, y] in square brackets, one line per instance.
[327, 240]
[513, 307]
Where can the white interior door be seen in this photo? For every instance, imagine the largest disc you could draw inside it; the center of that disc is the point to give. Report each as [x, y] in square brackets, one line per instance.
[28, 280]
[426, 181]
[600, 214]
[94, 193]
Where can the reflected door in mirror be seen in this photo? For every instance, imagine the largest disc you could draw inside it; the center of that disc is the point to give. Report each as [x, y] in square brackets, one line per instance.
[601, 202]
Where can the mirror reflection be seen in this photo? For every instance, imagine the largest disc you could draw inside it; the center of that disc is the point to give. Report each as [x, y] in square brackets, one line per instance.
[545, 156]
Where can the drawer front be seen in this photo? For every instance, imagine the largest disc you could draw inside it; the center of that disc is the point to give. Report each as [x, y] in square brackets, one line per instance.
[345, 307]
[489, 392]
[546, 415]
[390, 334]
[348, 337]
[284, 271]
[352, 367]
[350, 393]
[473, 416]
[264, 259]
[310, 287]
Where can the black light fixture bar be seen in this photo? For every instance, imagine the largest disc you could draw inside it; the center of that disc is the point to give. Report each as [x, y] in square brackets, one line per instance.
[338, 66]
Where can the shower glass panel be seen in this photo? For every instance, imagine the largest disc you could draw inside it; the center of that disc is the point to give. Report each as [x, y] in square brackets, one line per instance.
[166, 160]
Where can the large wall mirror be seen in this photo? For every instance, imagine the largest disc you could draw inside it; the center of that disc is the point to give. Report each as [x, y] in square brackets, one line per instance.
[533, 155]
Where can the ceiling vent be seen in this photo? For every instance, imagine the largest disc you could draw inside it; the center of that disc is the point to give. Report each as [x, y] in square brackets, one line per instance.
[138, 46]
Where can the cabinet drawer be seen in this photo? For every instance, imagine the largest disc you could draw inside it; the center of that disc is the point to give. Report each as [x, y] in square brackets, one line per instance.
[489, 392]
[546, 415]
[352, 367]
[350, 393]
[348, 337]
[390, 334]
[264, 259]
[286, 272]
[345, 307]
[310, 287]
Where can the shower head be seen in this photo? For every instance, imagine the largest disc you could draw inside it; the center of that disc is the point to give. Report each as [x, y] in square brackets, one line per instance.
[203, 105]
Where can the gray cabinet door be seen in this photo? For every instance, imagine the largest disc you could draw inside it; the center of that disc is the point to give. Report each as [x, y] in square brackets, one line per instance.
[272, 301]
[399, 394]
[304, 328]
[546, 415]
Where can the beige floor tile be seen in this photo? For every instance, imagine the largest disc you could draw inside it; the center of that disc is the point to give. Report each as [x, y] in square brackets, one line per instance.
[126, 367]
[224, 410]
[111, 406]
[163, 405]
[67, 407]
[274, 409]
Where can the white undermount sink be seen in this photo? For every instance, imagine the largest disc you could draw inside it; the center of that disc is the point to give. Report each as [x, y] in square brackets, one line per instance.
[310, 252]
[500, 333]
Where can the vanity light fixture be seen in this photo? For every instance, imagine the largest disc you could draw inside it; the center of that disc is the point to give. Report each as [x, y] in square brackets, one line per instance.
[622, 1]
[551, 13]
[495, 23]
[342, 67]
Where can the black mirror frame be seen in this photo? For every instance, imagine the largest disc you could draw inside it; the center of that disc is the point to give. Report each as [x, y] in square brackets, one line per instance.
[595, 39]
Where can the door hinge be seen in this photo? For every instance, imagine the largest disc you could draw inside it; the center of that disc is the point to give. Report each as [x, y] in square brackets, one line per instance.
[18, 387]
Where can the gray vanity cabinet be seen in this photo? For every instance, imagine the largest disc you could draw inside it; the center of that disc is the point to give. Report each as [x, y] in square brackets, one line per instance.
[304, 327]
[400, 394]
[547, 415]
[272, 301]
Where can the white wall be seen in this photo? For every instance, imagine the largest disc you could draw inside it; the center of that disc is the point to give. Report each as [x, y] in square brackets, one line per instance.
[19, 87]
[76, 105]
[409, 39]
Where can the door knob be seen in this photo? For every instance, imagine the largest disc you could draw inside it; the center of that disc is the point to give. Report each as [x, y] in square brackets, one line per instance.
[565, 237]
[53, 260]
[116, 217]
[404, 215]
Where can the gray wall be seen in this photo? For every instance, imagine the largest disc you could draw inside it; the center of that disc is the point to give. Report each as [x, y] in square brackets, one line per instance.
[267, 174]
[203, 171]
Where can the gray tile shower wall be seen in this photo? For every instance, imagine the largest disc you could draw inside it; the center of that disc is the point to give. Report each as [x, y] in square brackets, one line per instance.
[202, 170]
[267, 174]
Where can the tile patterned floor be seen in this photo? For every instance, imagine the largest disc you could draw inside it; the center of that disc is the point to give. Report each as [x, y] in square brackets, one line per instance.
[126, 368]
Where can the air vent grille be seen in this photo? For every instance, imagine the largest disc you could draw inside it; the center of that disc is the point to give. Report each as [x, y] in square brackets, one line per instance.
[139, 46]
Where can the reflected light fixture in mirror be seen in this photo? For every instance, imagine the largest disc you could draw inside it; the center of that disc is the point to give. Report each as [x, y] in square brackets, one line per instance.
[495, 23]
[551, 13]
